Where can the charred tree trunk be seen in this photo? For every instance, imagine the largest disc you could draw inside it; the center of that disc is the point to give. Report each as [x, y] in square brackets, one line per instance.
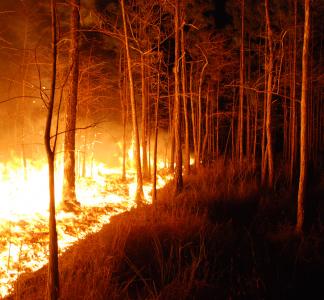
[69, 196]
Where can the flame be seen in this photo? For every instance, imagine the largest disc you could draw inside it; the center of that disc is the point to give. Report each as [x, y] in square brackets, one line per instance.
[24, 211]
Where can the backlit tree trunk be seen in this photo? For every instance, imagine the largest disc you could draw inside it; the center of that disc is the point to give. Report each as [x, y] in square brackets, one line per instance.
[303, 127]
[137, 155]
[69, 195]
[53, 274]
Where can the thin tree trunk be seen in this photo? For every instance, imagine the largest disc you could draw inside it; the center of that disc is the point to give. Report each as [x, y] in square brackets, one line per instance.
[69, 196]
[53, 288]
[293, 129]
[139, 197]
[177, 106]
[203, 156]
[269, 99]
[255, 131]
[123, 104]
[303, 127]
[240, 116]
[217, 122]
[199, 139]
[156, 130]
[184, 97]
[144, 119]
[232, 126]
[193, 119]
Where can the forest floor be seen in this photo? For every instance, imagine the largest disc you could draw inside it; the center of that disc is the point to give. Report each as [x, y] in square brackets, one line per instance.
[223, 237]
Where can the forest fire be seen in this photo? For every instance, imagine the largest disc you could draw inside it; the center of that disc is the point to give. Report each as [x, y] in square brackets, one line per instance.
[218, 102]
[24, 212]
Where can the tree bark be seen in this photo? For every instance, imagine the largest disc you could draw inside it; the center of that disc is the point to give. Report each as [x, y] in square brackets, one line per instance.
[144, 120]
[139, 197]
[240, 117]
[269, 99]
[69, 196]
[53, 273]
[293, 101]
[177, 106]
[303, 127]
[184, 97]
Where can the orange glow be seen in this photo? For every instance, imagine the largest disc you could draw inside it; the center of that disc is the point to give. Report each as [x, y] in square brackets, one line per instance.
[24, 211]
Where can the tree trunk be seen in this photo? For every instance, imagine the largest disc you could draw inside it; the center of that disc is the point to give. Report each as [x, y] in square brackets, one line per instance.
[269, 99]
[177, 106]
[139, 197]
[156, 131]
[53, 273]
[199, 121]
[217, 122]
[303, 127]
[193, 119]
[203, 156]
[69, 196]
[123, 104]
[240, 116]
[184, 97]
[293, 101]
[144, 120]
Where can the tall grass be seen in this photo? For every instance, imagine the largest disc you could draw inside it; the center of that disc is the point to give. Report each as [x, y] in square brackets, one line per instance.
[221, 238]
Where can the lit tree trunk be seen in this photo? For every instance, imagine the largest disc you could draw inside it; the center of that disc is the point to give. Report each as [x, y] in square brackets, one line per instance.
[232, 124]
[156, 130]
[177, 106]
[255, 130]
[217, 122]
[53, 274]
[193, 119]
[139, 189]
[184, 97]
[293, 101]
[144, 120]
[123, 103]
[207, 127]
[269, 98]
[69, 196]
[199, 121]
[240, 116]
[303, 127]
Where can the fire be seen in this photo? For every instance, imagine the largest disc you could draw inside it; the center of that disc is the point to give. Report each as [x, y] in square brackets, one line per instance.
[24, 211]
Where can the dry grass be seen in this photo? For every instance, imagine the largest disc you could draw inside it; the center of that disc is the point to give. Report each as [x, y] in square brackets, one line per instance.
[221, 238]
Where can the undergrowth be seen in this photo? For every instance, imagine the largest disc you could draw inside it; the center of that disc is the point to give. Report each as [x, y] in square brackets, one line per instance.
[222, 237]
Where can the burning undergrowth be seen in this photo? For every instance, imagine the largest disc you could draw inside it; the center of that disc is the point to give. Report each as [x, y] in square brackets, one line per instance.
[24, 214]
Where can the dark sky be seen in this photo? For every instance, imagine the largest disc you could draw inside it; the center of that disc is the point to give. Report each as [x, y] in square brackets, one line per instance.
[221, 17]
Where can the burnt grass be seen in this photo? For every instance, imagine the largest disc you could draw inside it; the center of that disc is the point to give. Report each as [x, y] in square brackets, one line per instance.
[223, 237]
